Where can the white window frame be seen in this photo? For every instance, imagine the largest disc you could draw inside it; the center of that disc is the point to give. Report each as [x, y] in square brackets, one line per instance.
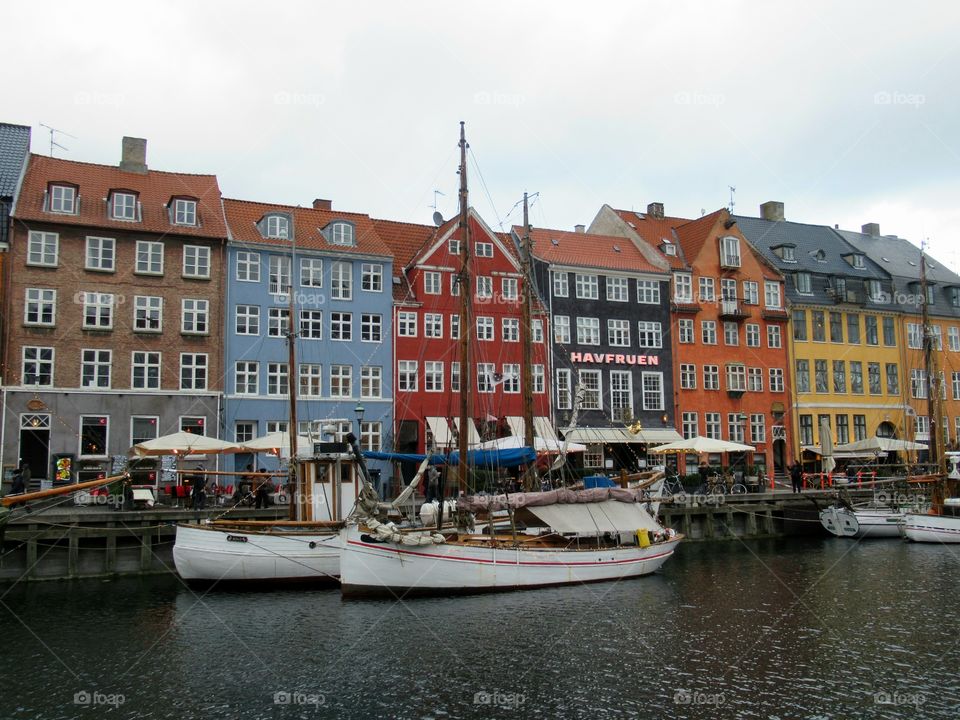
[194, 371]
[94, 358]
[196, 262]
[194, 316]
[43, 248]
[248, 266]
[100, 254]
[145, 308]
[151, 361]
[185, 212]
[40, 302]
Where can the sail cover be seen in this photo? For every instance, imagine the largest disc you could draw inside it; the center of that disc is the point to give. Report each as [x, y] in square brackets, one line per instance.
[595, 518]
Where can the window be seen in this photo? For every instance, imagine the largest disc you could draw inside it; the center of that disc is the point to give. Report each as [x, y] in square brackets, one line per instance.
[587, 287]
[277, 426]
[455, 285]
[43, 248]
[857, 262]
[685, 328]
[618, 289]
[145, 370]
[771, 294]
[193, 371]
[246, 378]
[753, 335]
[196, 261]
[311, 324]
[94, 432]
[682, 288]
[914, 336]
[874, 290]
[591, 385]
[688, 376]
[144, 427]
[511, 378]
[341, 233]
[511, 329]
[773, 336]
[690, 425]
[712, 423]
[755, 379]
[247, 320]
[856, 377]
[893, 379]
[564, 393]
[736, 377]
[311, 272]
[708, 332]
[707, 289]
[341, 280]
[371, 382]
[539, 379]
[843, 430]
[859, 427]
[194, 316]
[853, 329]
[453, 247]
[431, 283]
[839, 376]
[955, 383]
[806, 429]
[618, 333]
[538, 331]
[407, 376]
[953, 338]
[836, 327]
[95, 368]
[371, 328]
[483, 249]
[731, 333]
[510, 288]
[310, 379]
[730, 252]
[278, 226]
[593, 456]
[484, 328]
[711, 377]
[588, 331]
[776, 380]
[341, 326]
[40, 307]
[485, 377]
[279, 282]
[820, 376]
[407, 324]
[922, 427]
[561, 285]
[63, 199]
[123, 206]
[454, 377]
[621, 395]
[371, 277]
[433, 325]
[184, 212]
[648, 292]
[97, 311]
[454, 327]
[248, 266]
[819, 326]
[148, 313]
[371, 435]
[751, 292]
[870, 328]
[803, 376]
[735, 427]
[936, 333]
[278, 378]
[341, 381]
[278, 322]
[889, 335]
[101, 254]
[873, 378]
[803, 284]
[918, 383]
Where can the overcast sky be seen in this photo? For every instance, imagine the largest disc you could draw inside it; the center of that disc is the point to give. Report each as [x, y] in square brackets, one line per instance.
[846, 112]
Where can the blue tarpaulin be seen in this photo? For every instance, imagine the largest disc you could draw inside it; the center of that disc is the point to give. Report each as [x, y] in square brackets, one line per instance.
[598, 481]
[477, 458]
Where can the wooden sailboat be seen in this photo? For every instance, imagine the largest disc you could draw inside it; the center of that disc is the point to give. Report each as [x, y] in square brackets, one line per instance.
[558, 537]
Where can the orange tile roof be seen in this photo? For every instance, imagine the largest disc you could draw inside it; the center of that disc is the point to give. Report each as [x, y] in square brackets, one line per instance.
[654, 230]
[243, 216]
[587, 250]
[406, 241]
[693, 234]
[154, 189]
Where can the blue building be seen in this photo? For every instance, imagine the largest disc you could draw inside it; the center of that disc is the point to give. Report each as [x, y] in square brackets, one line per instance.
[341, 278]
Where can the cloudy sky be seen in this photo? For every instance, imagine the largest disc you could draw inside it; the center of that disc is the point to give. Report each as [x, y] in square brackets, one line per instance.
[847, 113]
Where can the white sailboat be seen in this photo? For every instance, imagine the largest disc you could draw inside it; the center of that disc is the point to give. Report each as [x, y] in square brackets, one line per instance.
[870, 521]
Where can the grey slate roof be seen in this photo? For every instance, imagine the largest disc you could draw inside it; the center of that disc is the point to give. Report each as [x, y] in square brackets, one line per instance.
[14, 146]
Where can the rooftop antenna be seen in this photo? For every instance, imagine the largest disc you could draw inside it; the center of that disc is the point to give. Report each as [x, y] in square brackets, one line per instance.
[733, 192]
[53, 143]
[437, 217]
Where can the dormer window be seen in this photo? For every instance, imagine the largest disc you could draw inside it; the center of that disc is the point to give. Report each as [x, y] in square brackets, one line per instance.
[276, 226]
[803, 283]
[955, 296]
[62, 199]
[819, 255]
[184, 211]
[787, 253]
[340, 233]
[855, 260]
[668, 248]
[124, 206]
[730, 252]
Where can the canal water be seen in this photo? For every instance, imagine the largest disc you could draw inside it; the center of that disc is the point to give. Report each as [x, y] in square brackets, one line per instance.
[766, 629]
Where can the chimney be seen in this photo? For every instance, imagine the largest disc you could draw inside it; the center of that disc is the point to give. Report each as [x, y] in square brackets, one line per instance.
[772, 210]
[655, 210]
[134, 155]
[319, 204]
[579, 228]
[872, 229]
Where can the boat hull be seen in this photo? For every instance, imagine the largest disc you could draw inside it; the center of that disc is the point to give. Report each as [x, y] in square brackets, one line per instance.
[920, 527]
[374, 568]
[865, 523]
[222, 555]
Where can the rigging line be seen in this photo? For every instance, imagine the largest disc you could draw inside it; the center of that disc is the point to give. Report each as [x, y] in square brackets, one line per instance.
[483, 182]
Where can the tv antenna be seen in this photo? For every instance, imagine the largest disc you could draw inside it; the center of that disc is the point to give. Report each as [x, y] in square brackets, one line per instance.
[437, 217]
[53, 142]
[733, 192]
[435, 193]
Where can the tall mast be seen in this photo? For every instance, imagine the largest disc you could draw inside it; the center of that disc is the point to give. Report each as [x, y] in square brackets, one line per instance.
[934, 389]
[466, 322]
[526, 331]
[292, 481]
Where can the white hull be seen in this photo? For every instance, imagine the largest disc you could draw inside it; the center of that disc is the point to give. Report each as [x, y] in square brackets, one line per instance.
[931, 528]
[862, 523]
[204, 553]
[369, 567]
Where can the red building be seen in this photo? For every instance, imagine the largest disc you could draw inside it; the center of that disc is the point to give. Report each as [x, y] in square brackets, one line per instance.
[427, 373]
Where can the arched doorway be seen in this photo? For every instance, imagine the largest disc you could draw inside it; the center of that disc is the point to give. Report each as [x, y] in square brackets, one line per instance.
[887, 430]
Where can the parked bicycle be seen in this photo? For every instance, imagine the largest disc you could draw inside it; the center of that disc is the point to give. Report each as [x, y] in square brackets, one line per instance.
[718, 484]
[672, 486]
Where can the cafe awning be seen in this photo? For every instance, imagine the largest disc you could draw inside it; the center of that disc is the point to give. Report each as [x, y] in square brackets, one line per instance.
[593, 436]
[440, 428]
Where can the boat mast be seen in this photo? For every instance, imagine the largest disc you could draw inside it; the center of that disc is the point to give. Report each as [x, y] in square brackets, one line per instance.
[934, 386]
[466, 322]
[527, 340]
[292, 479]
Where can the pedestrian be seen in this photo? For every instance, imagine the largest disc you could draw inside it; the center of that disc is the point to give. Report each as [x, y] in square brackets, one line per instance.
[433, 484]
[263, 489]
[796, 476]
[16, 485]
[197, 490]
[25, 474]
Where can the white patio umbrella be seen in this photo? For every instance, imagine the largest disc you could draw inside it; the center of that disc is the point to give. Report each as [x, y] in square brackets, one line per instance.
[183, 443]
[880, 444]
[700, 444]
[540, 445]
[826, 446]
[278, 443]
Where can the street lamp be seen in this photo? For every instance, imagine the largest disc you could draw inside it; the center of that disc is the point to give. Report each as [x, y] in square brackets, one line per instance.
[358, 411]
